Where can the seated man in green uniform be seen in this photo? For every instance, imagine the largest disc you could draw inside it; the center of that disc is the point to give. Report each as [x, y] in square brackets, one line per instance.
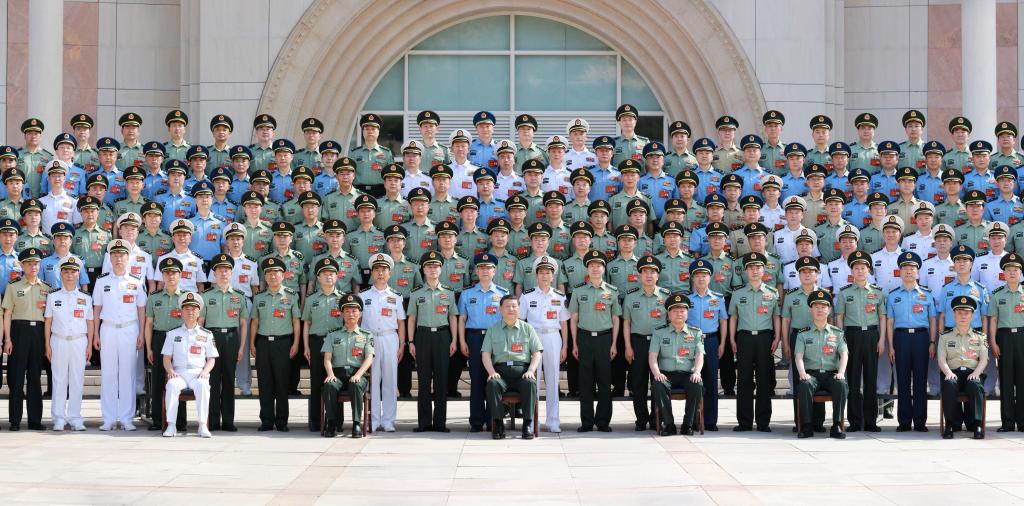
[676, 358]
[348, 354]
[511, 353]
[820, 357]
[962, 354]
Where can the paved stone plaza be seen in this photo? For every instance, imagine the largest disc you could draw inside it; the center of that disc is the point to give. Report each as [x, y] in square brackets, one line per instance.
[623, 467]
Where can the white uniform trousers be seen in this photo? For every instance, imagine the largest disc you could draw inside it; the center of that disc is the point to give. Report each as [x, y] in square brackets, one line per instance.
[552, 342]
[201, 387]
[117, 361]
[384, 387]
[68, 366]
[243, 371]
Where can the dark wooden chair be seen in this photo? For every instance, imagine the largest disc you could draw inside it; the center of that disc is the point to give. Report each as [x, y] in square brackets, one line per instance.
[681, 396]
[513, 399]
[344, 397]
[962, 398]
[823, 397]
[185, 396]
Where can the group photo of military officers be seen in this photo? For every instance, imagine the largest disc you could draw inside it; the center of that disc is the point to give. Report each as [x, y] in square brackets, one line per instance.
[881, 274]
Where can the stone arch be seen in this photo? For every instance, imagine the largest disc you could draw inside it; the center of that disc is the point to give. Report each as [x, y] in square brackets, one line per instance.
[690, 58]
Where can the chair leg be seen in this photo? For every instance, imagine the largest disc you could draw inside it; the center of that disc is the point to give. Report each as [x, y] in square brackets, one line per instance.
[323, 418]
[942, 414]
[984, 413]
[163, 422]
[536, 417]
[657, 419]
[513, 415]
[798, 427]
[700, 414]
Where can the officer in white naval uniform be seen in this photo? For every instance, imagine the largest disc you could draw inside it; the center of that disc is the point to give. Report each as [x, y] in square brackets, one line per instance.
[546, 310]
[384, 316]
[188, 355]
[69, 329]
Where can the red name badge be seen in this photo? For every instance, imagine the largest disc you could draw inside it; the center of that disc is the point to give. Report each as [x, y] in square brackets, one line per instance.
[1002, 276]
[80, 313]
[517, 347]
[373, 249]
[735, 166]
[489, 310]
[232, 313]
[96, 246]
[136, 270]
[335, 312]
[895, 273]
[454, 278]
[425, 243]
[385, 311]
[175, 313]
[632, 278]
[357, 352]
[551, 315]
[983, 245]
[1019, 308]
[351, 213]
[211, 237]
[828, 349]
[62, 215]
[709, 314]
[289, 275]
[917, 308]
[655, 313]
[41, 304]
[869, 308]
[244, 278]
[279, 313]
[195, 349]
[780, 163]
[719, 276]
[600, 306]
[683, 352]
[403, 282]
[127, 299]
[179, 213]
[683, 276]
[762, 309]
[559, 247]
[441, 309]
[920, 164]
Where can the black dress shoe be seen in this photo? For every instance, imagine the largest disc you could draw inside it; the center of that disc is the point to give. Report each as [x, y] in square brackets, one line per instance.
[742, 428]
[295, 393]
[686, 430]
[572, 393]
[36, 426]
[282, 428]
[711, 428]
[872, 428]
[331, 430]
[229, 428]
[764, 428]
[805, 434]
[836, 432]
[1020, 428]
[154, 426]
[667, 431]
[920, 428]
[729, 392]
[527, 429]
[820, 429]
[948, 433]
[604, 428]
[181, 428]
[423, 429]
[978, 434]
[584, 428]
[499, 430]
[265, 428]
[357, 430]
[887, 414]
[476, 428]
[903, 428]
[853, 428]
[454, 395]
[1005, 428]
[15, 427]
[442, 429]
[639, 426]
[795, 429]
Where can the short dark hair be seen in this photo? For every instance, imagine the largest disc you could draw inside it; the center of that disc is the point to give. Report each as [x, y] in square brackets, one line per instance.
[507, 297]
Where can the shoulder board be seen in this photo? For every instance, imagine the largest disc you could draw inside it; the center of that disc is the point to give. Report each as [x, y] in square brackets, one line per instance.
[286, 289]
[297, 254]
[894, 289]
[924, 289]
[791, 290]
[530, 291]
[770, 288]
[360, 292]
[876, 287]
[559, 293]
[611, 287]
[660, 327]
[208, 290]
[444, 286]
[416, 288]
[1001, 288]
[104, 275]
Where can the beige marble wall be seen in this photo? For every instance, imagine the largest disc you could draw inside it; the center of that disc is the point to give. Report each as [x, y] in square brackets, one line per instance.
[17, 69]
[1007, 62]
[81, 42]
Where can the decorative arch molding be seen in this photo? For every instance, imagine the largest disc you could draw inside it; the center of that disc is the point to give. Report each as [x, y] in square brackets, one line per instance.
[689, 57]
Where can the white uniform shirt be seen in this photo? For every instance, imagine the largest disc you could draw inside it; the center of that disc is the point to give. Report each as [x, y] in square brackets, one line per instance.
[785, 246]
[244, 275]
[417, 180]
[936, 272]
[923, 245]
[462, 180]
[382, 310]
[579, 159]
[791, 278]
[191, 270]
[61, 207]
[887, 271]
[556, 180]
[507, 186]
[70, 311]
[772, 216]
[543, 311]
[140, 264]
[119, 297]
[837, 275]
[987, 272]
[189, 349]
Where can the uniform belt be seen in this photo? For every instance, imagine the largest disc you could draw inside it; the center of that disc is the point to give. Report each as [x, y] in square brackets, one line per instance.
[435, 329]
[382, 333]
[910, 330]
[755, 332]
[69, 338]
[708, 335]
[547, 330]
[120, 325]
[863, 328]
[276, 338]
[477, 331]
[220, 330]
[514, 364]
[644, 337]
[1013, 330]
[596, 333]
[30, 323]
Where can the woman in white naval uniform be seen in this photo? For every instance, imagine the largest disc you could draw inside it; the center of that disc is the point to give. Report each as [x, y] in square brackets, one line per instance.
[188, 356]
[119, 305]
[546, 310]
[384, 316]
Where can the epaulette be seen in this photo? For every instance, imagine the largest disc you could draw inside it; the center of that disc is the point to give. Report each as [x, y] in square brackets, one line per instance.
[534, 289]
[665, 326]
[791, 290]
[1001, 288]
[557, 292]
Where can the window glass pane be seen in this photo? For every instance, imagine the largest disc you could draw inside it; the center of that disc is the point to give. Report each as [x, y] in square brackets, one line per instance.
[387, 96]
[539, 34]
[485, 33]
[565, 83]
[652, 127]
[635, 90]
[458, 83]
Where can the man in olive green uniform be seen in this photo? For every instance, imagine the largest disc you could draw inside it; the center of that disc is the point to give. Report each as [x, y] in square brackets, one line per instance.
[226, 315]
[959, 157]
[348, 354]
[32, 158]
[628, 144]
[1006, 331]
[728, 157]
[321, 315]
[974, 233]
[86, 155]
[23, 304]
[220, 151]
[432, 318]
[773, 156]
[864, 152]
[309, 155]
[820, 355]
[177, 147]
[131, 149]
[90, 237]
[370, 157]
[796, 318]
[433, 153]
[274, 340]
[163, 314]
[594, 326]
[675, 358]
[263, 150]
[860, 312]
[755, 334]
[952, 210]
[526, 149]
[1006, 153]
[511, 353]
[962, 354]
[642, 313]
[679, 157]
[911, 154]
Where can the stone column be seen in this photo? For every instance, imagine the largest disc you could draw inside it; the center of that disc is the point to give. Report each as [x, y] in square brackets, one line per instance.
[978, 26]
[46, 64]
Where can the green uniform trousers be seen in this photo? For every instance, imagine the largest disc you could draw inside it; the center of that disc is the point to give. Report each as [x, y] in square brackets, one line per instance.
[822, 380]
[272, 366]
[953, 409]
[1011, 376]
[432, 346]
[595, 369]
[222, 377]
[512, 379]
[677, 380]
[341, 384]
